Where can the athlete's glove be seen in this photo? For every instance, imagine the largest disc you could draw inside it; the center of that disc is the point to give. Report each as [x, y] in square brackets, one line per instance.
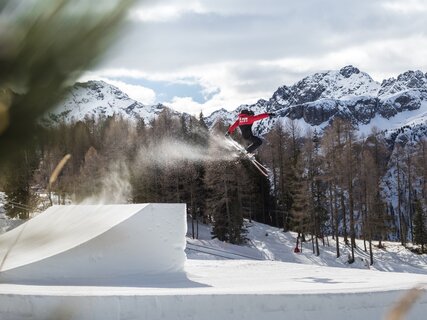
[271, 114]
[227, 134]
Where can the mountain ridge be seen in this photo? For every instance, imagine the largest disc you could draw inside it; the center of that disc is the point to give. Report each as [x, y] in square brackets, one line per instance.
[313, 101]
[347, 93]
[95, 99]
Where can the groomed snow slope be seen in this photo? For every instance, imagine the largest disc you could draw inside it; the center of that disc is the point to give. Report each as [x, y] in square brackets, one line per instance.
[95, 244]
[209, 290]
[224, 290]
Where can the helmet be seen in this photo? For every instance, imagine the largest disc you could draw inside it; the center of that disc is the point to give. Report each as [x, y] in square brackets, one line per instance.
[246, 111]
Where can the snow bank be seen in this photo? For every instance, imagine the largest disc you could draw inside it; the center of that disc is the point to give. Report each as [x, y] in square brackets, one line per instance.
[239, 289]
[99, 244]
[208, 307]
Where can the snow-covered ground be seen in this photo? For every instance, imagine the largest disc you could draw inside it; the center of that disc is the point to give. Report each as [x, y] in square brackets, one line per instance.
[270, 243]
[5, 222]
[263, 279]
[238, 289]
[2, 201]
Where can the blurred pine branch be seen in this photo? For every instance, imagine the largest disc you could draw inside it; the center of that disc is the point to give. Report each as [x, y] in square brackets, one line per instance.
[45, 45]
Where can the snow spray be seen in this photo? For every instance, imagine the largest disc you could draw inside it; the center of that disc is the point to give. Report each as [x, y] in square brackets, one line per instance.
[116, 187]
[170, 152]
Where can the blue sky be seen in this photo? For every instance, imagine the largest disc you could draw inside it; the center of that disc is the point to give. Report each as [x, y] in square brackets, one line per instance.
[167, 90]
[202, 55]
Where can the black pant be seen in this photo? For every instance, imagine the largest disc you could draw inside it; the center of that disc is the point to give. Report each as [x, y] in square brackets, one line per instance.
[249, 136]
[256, 142]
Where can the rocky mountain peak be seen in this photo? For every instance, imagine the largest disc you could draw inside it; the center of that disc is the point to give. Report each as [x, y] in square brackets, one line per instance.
[413, 79]
[347, 82]
[348, 71]
[101, 99]
[347, 93]
[315, 100]
[405, 81]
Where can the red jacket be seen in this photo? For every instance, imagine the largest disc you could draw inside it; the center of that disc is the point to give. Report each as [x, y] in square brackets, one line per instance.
[245, 119]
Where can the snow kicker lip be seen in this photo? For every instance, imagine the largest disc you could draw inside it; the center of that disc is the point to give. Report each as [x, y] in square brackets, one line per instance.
[95, 242]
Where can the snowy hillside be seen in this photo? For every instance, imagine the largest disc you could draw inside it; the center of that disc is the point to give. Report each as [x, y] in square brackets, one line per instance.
[270, 243]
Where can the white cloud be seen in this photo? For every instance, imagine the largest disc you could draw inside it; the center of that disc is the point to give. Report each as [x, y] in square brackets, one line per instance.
[186, 104]
[380, 58]
[136, 92]
[139, 93]
[166, 12]
[407, 6]
[239, 51]
[230, 84]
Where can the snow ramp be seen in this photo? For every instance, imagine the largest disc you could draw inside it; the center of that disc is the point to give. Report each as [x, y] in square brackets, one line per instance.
[96, 244]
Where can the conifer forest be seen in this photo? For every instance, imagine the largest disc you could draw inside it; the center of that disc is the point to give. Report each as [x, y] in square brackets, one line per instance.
[333, 183]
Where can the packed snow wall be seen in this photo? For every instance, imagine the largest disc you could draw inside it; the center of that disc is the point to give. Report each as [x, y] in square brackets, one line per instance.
[96, 244]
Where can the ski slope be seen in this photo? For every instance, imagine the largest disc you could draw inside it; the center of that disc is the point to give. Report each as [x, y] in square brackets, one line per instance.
[249, 282]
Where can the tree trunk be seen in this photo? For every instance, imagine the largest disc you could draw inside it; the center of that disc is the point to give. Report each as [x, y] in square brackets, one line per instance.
[344, 218]
[336, 225]
[317, 247]
[227, 206]
[411, 206]
[192, 214]
[312, 243]
[350, 196]
[331, 208]
[352, 231]
[402, 231]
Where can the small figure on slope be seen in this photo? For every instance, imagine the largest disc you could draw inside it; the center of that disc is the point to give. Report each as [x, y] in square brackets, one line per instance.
[244, 121]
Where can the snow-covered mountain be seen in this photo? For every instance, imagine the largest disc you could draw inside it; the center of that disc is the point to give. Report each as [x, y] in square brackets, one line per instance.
[348, 93]
[313, 101]
[344, 84]
[98, 98]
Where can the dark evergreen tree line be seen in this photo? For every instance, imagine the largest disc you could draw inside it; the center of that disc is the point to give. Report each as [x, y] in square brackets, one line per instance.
[320, 185]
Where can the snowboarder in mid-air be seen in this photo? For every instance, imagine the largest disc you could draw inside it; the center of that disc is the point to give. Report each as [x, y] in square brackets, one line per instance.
[244, 121]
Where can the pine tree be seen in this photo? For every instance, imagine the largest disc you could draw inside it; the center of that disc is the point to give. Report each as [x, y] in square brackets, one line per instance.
[316, 188]
[349, 174]
[420, 225]
[16, 184]
[332, 148]
[301, 203]
[277, 159]
[223, 203]
[403, 226]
